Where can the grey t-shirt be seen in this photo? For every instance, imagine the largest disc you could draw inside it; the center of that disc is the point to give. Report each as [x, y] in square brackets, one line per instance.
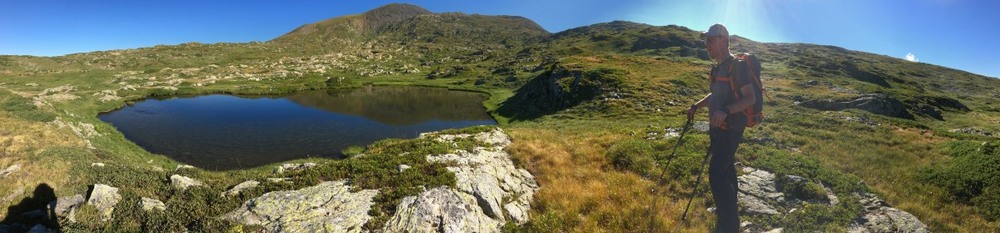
[723, 95]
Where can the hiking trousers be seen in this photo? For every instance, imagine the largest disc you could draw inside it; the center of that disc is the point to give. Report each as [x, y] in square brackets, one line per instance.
[722, 177]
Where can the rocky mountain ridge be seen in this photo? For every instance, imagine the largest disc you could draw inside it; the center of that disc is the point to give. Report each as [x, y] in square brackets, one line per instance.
[609, 73]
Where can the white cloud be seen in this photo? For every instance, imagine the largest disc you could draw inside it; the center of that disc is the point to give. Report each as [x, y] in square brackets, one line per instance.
[911, 57]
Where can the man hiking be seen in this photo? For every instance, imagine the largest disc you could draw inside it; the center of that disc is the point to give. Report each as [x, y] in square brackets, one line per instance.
[731, 93]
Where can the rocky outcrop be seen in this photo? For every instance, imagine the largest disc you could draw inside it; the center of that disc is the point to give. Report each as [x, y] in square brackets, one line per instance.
[287, 167]
[489, 191]
[236, 190]
[441, 209]
[761, 194]
[973, 131]
[65, 207]
[488, 174]
[104, 198]
[879, 217]
[327, 207]
[184, 182]
[875, 103]
[560, 87]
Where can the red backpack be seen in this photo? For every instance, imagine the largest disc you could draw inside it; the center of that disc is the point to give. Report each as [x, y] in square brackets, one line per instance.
[754, 114]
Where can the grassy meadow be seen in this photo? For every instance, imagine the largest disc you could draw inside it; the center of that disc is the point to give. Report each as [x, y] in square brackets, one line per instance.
[593, 149]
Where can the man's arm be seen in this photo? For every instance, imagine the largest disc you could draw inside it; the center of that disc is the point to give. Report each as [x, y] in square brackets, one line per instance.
[749, 99]
[694, 108]
[703, 101]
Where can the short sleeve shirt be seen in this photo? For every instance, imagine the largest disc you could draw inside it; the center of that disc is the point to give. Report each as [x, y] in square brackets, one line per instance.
[723, 94]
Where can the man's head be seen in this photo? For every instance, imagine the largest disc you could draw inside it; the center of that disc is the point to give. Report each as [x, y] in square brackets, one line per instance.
[717, 42]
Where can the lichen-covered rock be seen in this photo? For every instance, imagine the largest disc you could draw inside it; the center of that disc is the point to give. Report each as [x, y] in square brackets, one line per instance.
[286, 167]
[758, 195]
[104, 198]
[879, 217]
[236, 190]
[327, 207]
[488, 174]
[875, 103]
[757, 190]
[184, 182]
[65, 207]
[441, 209]
[149, 204]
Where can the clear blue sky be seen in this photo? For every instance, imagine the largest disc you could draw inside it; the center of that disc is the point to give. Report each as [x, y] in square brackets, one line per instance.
[961, 34]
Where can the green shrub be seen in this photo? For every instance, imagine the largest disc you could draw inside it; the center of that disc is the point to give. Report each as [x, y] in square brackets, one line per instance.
[352, 151]
[821, 217]
[23, 108]
[782, 163]
[802, 189]
[988, 203]
[972, 176]
[634, 155]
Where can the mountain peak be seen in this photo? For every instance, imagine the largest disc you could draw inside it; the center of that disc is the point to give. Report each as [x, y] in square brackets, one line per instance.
[391, 13]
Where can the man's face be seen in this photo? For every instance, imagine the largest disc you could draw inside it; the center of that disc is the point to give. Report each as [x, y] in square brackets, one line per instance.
[714, 44]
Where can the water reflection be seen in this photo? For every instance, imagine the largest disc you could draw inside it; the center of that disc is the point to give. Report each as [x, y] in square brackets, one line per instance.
[397, 105]
[221, 132]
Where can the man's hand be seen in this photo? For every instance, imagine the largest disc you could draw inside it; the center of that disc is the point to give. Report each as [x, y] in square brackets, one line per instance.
[691, 111]
[718, 118]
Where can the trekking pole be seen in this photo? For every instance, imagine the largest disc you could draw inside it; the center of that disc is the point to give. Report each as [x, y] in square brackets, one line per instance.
[696, 183]
[673, 154]
[663, 170]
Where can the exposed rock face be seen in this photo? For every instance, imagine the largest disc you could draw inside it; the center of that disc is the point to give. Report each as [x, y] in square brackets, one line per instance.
[879, 217]
[558, 88]
[65, 207]
[149, 204]
[327, 207]
[184, 182]
[875, 103]
[441, 209]
[104, 198]
[489, 192]
[759, 195]
[489, 175]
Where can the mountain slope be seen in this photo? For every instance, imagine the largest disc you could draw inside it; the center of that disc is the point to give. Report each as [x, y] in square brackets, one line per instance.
[590, 111]
[354, 25]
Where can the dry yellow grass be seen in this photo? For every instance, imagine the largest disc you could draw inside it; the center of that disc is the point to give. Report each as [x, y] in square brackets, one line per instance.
[584, 193]
[21, 141]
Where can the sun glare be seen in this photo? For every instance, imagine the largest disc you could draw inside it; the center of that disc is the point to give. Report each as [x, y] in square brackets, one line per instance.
[754, 19]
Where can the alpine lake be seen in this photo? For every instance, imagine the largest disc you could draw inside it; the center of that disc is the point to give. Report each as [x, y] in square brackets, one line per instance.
[226, 132]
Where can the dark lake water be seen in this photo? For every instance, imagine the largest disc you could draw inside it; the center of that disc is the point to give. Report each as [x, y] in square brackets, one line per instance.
[223, 132]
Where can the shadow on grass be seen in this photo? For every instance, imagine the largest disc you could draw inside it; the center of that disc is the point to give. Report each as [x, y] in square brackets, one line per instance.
[32, 211]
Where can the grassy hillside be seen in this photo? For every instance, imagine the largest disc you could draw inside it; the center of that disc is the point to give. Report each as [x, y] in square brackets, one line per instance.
[577, 104]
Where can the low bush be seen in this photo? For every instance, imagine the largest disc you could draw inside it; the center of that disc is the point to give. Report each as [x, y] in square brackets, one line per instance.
[634, 155]
[802, 189]
[23, 108]
[971, 176]
[783, 163]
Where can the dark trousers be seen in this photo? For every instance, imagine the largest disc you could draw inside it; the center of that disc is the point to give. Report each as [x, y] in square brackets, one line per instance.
[722, 177]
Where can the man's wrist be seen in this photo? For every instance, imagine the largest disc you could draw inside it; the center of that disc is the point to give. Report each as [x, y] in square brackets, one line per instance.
[724, 110]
